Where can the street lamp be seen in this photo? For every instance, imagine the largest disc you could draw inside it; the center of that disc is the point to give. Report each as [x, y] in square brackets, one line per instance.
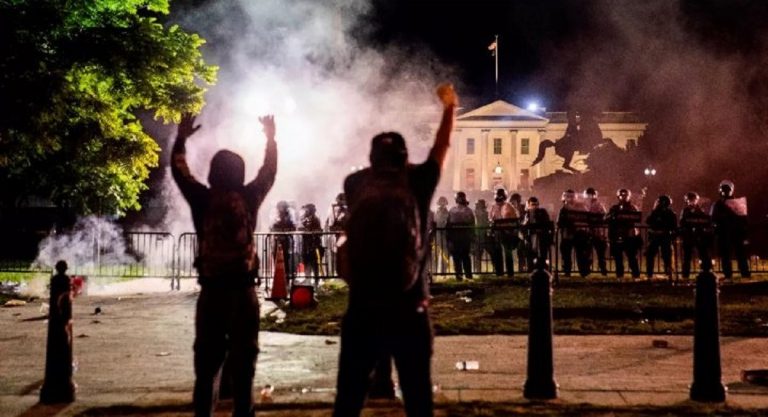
[650, 172]
[498, 169]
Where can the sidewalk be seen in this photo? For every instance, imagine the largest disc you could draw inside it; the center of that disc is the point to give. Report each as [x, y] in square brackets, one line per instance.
[138, 352]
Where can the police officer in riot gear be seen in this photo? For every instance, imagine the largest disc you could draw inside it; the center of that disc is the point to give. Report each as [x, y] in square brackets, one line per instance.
[622, 233]
[459, 235]
[597, 230]
[504, 223]
[483, 238]
[729, 216]
[338, 216]
[284, 223]
[441, 220]
[572, 223]
[537, 231]
[312, 250]
[662, 225]
[696, 232]
[522, 258]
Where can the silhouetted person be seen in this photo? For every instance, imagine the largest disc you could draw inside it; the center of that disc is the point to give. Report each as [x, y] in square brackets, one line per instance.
[572, 222]
[696, 232]
[598, 234]
[662, 225]
[459, 234]
[483, 238]
[283, 240]
[311, 242]
[441, 220]
[538, 230]
[504, 225]
[387, 314]
[623, 234]
[522, 257]
[338, 216]
[729, 215]
[227, 316]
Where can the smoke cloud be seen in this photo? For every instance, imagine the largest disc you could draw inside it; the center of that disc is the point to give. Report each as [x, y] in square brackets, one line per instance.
[330, 96]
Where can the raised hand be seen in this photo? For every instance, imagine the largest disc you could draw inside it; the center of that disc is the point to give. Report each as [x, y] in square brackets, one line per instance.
[447, 95]
[187, 126]
[268, 123]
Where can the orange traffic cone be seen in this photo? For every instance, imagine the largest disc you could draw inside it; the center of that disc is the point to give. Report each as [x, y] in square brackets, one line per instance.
[279, 285]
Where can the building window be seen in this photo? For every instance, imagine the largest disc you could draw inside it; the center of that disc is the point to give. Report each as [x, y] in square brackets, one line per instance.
[525, 146]
[470, 146]
[497, 146]
[469, 179]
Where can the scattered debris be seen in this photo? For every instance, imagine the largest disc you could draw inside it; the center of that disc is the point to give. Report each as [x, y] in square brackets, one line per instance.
[266, 393]
[96, 311]
[95, 321]
[15, 303]
[467, 365]
[163, 354]
[659, 343]
[82, 335]
[45, 308]
[330, 342]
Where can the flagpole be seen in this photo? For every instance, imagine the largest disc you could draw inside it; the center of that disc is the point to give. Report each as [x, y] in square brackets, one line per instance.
[496, 41]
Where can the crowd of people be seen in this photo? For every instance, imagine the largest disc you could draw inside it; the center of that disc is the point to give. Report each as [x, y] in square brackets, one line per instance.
[385, 227]
[586, 229]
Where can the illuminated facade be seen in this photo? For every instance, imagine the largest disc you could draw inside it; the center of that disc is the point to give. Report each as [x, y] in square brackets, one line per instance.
[493, 146]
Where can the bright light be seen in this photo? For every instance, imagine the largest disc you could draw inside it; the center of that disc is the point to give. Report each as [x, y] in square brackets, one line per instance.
[533, 106]
[498, 169]
[649, 172]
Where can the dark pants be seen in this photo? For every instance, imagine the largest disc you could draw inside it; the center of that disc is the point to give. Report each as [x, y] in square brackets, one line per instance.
[702, 250]
[583, 249]
[727, 243]
[501, 255]
[600, 246]
[368, 338]
[628, 247]
[311, 260]
[537, 250]
[462, 263]
[226, 325]
[656, 244]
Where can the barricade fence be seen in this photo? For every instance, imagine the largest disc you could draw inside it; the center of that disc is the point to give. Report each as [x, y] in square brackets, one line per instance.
[313, 255]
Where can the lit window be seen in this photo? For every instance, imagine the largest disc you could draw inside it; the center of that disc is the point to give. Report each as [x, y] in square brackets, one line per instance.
[470, 146]
[469, 179]
[497, 146]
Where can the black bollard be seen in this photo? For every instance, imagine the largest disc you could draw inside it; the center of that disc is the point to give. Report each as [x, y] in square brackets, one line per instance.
[540, 383]
[707, 383]
[58, 386]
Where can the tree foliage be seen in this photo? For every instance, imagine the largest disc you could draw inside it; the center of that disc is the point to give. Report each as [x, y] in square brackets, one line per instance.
[73, 75]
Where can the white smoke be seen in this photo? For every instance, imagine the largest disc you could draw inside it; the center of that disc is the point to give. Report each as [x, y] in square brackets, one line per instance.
[330, 96]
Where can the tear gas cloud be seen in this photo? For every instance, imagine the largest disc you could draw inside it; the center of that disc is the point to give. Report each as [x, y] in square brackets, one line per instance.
[329, 94]
[693, 87]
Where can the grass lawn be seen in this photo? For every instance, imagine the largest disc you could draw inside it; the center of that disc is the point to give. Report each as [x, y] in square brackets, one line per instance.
[498, 306]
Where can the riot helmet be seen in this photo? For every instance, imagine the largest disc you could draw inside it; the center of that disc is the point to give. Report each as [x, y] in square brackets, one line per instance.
[726, 188]
[691, 198]
[664, 201]
[501, 195]
[590, 193]
[623, 195]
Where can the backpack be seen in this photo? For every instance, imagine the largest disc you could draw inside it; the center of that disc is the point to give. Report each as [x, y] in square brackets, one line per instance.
[383, 248]
[227, 246]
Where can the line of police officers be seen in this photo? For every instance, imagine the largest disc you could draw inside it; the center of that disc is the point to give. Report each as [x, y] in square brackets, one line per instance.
[586, 227]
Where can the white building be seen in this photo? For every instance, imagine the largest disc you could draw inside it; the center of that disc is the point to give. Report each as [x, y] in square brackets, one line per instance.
[493, 146]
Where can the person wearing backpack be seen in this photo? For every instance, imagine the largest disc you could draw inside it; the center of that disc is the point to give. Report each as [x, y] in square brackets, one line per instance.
[227, 315]
[383, 259]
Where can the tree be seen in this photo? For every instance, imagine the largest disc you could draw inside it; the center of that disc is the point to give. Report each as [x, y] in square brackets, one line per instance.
[73, 75]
